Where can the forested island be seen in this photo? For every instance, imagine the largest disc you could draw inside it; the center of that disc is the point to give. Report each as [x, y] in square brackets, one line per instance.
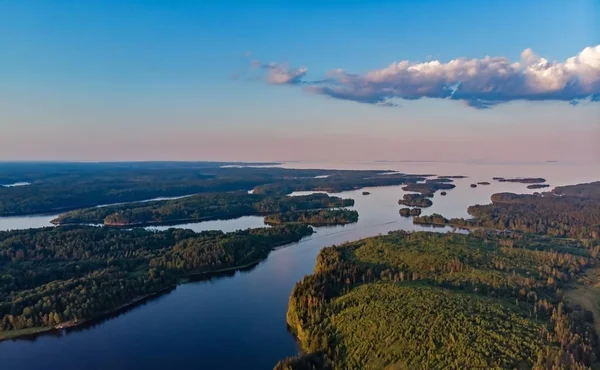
[428, 189]
[323, 217]
[406, 212]
[200, 207]
[415, 200]
[428, 300]
[538, 186]
[65, 276]
[483, 183]
[574, 214]
[62, 187]
[350, 180]
[522, 180]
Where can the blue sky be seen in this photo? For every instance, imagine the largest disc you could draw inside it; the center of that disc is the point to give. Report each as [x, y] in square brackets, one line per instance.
[155, 79]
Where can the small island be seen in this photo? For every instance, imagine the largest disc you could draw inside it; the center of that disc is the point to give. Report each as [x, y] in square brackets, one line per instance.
[483, 183]
[366, 193]
[452, 177]
[415, 200]
[473, 185]
[323, 217]
[522, 180]
[538, 186]
[443, 193]
[406, 212]
[428, 189]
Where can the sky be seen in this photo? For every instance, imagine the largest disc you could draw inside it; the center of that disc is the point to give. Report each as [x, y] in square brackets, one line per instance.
[300, 80]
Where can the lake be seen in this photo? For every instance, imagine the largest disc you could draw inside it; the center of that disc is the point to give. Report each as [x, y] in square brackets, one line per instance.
[238, 321]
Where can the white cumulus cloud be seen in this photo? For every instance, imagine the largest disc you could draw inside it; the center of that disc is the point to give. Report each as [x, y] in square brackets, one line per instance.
[480, 82]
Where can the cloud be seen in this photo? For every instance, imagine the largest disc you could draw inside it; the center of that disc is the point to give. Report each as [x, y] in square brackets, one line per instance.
[282, 74]
[480, 83]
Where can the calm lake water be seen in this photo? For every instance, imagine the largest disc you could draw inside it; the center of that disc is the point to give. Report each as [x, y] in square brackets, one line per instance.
[238, 321]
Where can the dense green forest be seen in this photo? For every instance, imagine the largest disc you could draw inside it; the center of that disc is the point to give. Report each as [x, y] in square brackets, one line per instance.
[428, 300]
[320, 217]
[415, 200]
[57, 187]
[70, 274]
[572, 211]
[199, 207]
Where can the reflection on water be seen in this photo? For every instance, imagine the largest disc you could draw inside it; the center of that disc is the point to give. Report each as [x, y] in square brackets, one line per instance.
[237, 320]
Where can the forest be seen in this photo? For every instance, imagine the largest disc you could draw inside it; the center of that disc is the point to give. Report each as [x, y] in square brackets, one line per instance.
[200, 207]
[572, 211]
[71, 274]
[428, 300]
[61, 187]
[322, 217]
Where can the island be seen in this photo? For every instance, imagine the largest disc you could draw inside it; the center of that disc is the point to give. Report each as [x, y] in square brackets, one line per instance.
[538, 186]
[428, 189]
[415, 200]
[426, 300]
[473, 185]
[200, 207]
[366, 193]
[443, 193]
[406, 212]
[453, 177]
[483, 183]
[522, 180]
[61, 277]
[324, 217]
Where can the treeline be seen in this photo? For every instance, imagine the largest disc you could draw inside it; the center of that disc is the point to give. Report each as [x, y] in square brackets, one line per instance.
[60, 187]
[199, 207]
[70, 274]
[351, 180]
[429, 300]
[314, 217]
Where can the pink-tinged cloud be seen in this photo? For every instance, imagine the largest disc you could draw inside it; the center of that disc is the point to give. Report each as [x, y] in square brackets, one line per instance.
[281, 74]
[481, 83]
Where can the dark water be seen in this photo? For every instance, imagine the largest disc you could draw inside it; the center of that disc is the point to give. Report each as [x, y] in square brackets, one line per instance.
[238, 321]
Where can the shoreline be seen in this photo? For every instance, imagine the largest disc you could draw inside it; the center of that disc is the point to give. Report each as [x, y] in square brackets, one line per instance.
[184, 279]
[35, 331]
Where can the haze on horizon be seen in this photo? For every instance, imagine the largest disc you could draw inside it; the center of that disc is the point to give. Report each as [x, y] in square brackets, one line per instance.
[300, 80]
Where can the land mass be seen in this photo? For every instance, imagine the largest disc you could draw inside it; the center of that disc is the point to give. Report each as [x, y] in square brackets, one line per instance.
[62, 187]
[429, 300]
[200, 207]
[322, 217]
[60, 277]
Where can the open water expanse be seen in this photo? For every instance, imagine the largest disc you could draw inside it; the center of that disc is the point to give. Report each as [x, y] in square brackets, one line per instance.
[237, 321]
